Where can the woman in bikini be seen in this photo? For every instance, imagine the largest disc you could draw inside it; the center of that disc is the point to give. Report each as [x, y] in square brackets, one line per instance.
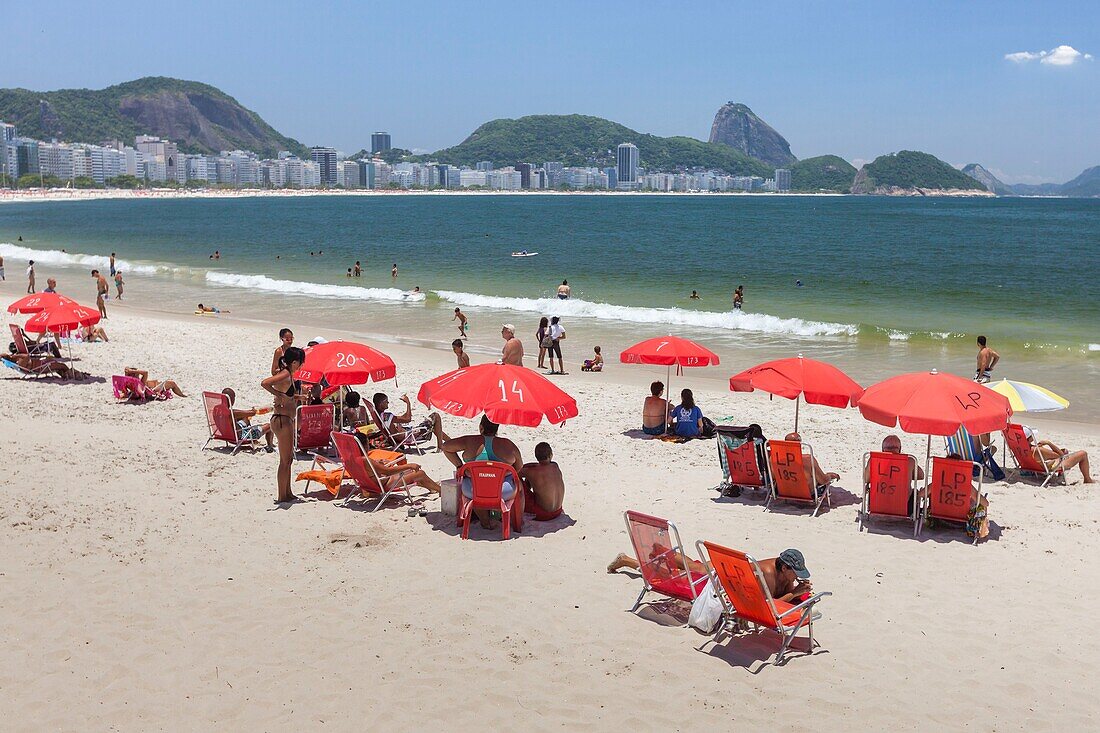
[281, 385]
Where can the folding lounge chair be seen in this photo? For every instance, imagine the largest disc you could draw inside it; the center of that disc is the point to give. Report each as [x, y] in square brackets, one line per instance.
[350, 453]
[1017, 443]
[743, 460]
[891, 490]
[747, 600]
[790, 481]
[657, 546]
[220, 422]
[40, 369]
[487, 488]
[409, 442]
[951, 492]
[314, 426]
[129, 388]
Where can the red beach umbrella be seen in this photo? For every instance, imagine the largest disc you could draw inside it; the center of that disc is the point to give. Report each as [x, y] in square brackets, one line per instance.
[935, 403]
[508, 395]
[62, 318]
[38, 302]
[817, 382]
[345, 362]
[669, 351]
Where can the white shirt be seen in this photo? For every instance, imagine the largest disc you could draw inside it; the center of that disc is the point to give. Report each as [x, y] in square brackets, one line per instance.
[556, 331]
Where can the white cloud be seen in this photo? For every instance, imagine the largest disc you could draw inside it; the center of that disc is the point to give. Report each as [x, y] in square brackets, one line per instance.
[1061, 56]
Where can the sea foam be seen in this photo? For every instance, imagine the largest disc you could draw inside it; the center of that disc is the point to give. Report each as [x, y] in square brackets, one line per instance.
[576, 308]
[57, 257]
[319, 290]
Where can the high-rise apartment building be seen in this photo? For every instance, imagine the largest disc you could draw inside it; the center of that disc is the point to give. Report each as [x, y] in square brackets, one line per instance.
[626, 170]
[782, 179]
[484, 165]
[555, 174]
[325, 158]
[524, 174]
[379, 142]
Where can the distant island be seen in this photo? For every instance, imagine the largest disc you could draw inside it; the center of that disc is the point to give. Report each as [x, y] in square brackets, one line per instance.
[571, 151]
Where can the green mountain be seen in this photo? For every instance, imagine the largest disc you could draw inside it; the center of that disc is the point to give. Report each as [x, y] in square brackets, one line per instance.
[198, 117]
[823, 173]
[911, 171]
[580, 140]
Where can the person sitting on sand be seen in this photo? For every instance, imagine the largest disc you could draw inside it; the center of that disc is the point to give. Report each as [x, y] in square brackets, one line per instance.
[818, 477]
[595, 364]
[460, 354]
[152, 384]
[1054, 457]
[37, 363]
[395, 424]
[544, 485]
[655, 411]
[787, 577]
[243, 418]
[687, 418]
[512, 353]
[91, 334]
[486, 446]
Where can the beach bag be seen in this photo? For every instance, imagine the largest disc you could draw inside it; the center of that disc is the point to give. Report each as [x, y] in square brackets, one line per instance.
[546, 342]
[709, 428]
[706, 611]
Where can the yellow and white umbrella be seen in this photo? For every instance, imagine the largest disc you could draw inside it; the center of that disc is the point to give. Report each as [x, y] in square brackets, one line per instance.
[1025, 397]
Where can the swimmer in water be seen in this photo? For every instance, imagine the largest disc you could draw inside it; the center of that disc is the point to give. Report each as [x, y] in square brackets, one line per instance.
[349, 272]
[798, 283]
[694, 295]
[738, 297]
[393, 271]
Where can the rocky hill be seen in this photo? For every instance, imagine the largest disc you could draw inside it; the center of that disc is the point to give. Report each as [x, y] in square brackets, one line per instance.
[198, 117]
[910, 172]
[823, 173]
[580, 140]
[1086, 184]
[738, 126]
[987, 179]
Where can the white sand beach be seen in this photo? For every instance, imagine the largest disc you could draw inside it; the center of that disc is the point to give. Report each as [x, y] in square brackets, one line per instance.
[151, 586]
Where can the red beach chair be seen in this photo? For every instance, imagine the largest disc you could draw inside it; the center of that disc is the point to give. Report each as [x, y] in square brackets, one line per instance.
[661, 559]
[220, 422]
[790, 479]
[891, 490]
[128, 388]
[1022, 453]
[747, 599]
[951, 491]
[744, 464]
[487, 484]
[351, 456]
[314, 427]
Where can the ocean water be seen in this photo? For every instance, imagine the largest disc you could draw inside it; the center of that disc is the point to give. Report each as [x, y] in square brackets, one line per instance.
[880, 284]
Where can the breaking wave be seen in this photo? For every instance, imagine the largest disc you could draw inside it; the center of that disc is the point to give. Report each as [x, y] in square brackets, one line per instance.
[320, 290]
[57, 257]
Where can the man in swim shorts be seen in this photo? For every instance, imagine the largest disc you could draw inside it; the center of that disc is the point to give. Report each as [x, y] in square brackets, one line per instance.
[544, 485]
[655, 411]
[987, 359]
[462, 322]
[564, 290]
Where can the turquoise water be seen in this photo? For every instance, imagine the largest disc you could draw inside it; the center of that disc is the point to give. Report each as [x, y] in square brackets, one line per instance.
[877, 273]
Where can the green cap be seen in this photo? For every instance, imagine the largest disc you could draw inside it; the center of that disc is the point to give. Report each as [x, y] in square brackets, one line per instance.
[794, 560]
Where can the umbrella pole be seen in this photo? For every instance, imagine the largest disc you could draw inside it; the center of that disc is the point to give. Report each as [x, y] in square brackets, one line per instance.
[927, 457]
[797, 402]
[668, 401]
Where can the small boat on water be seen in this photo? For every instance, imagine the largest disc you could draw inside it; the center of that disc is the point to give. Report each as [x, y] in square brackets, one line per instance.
[524, 253]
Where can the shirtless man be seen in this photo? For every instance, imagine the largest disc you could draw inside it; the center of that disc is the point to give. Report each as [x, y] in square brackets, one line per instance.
[512, 353]
[738, 297]
[564, 290]
[987, 359]
[1054, 457]
[35, 363]
[544, 484]
[892, 444]
[358, 271]
[396, 424]
[286, 336]
[786, 575]
[461, 318]
[814, 472]
[460, 354]
[101, 292]
[655, 411]
[243, 418]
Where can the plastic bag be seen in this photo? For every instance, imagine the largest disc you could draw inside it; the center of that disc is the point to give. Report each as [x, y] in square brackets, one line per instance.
[707, 609]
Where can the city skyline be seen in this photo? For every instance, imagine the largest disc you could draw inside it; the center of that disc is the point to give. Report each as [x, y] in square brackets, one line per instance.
[1010, 86]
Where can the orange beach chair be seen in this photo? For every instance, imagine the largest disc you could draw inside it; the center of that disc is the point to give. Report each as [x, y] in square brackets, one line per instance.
[661, 557]
[1017, 443]
[892, 488]
[950, 490]
[789, 461]
[747, 600]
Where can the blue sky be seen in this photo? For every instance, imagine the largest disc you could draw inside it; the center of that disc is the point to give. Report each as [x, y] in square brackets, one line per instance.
[857, 79]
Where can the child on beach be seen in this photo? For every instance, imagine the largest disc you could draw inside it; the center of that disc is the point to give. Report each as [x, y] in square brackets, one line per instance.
[462, 322]
[462, 356]
[595, 364]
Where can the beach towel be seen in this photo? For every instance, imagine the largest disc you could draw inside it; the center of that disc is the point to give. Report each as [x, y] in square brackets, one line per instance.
[330, 479]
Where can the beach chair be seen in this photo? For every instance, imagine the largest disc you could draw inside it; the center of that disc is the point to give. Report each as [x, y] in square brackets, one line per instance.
[788, 461]
[21, 346]
[487, 484]
[128, 388]
[743, 459]
[950, 491]
[220, 423]
[891, 490]
[661, 559]
[313, 427]
[350, 455]
[408, 442]
[42, 368]
[745, 596]
[1024, 456]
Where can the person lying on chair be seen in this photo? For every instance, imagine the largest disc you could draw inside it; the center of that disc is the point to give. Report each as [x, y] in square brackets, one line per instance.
[1054, 457]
